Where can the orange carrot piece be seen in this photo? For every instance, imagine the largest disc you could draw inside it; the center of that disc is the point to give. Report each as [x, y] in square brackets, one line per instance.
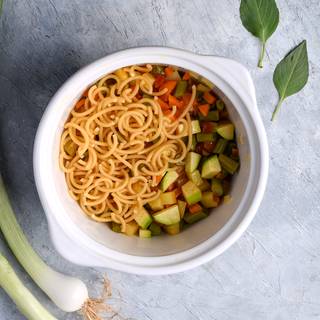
[204, 109]
[163, 105]
[186, 76]
[158, 179]
[169, 85]
[159, 81]
[173, 101]
[195, 208]
[209, 97]
[168, 71]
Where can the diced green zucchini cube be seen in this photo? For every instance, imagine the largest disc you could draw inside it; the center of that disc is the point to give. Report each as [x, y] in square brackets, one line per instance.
[195, 177]
[202, 88]
[116, 227]
[156, 204]
[168, 198]
[210, 167]
[216, 187]
[182, 207]
[220, 146]
[168, 216]
[172, 229]
[220, 105]
[131, 228]
[195, 126]
[191, 192]
[205, 185]
[212, 116]
[209, 200]
[155, 229]
[143, 218]
[194, 142]
[169, 178]
[180, 88]
[192, 161]
[226, 130]
[144, 233]
[194, 217]
[228, 164]
[206, 137]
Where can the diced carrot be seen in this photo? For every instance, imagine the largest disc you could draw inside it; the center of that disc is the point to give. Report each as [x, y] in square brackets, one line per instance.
[169, 85]
[168, 114]
[159, 81]
[195, 208]
[168, 71]
[204, 109]
[163, 105]
[186, 76]
[186, 98]
[173, 101]
[79, 104]
[209, 97]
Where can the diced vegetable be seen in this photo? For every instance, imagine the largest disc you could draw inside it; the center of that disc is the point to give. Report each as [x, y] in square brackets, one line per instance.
[131, 228]
[186, 76]
[209, 200]
[210, 167]
[195, 177]
[212, 116]
[173, 101]
[195, 208]
[168, 216]
[170, 86]
[116, 227]
[195, 126]
[228, 164]
[144, 233]
[156, 204]
[181, 88]
[168, 71]
[208, 127]
[71, 148]
[194, 217]
[220, 105]
[157, 69]
[227, 199]
[202, 88]
[220, 146]
[194, 143]
[123, 75]
[172, 229]
[169, 178]
[182, 207]
[192, 161]
[211, 99]
[204, 186]
[143, 218]
[226, 130]
[191, 193]
[204, 109]
[216, 187]
[168, 198]
[202, 137]
[222, 174]
[174, 76]
[155, 229]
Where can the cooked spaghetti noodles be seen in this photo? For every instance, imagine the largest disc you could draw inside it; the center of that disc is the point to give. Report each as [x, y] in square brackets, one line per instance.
[117, 143]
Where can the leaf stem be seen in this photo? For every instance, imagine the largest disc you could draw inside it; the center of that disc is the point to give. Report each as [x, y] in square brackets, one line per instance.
[276, 109]
[262, 52]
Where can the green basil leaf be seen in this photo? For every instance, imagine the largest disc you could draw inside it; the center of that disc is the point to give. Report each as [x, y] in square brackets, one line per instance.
[291, 74]
[261, 18]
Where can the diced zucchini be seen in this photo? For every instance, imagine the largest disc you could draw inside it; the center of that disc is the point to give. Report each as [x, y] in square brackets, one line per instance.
[220, 105]
[156, 204]
[155, 229]
[226, 130]
[205, 185]
[202, 88]
[116, 227]
[131, 228]
[220, 146]
[169, 178]
[144, 233]
[182, 207]
[195, 177]
[194, 217]
[71, 148]
[143, 218]
[209, 200]
[212, 116]
[181, 88]
[192, 161]
[203, 137]
[191, 192]
[228, 164]
[210, 167]
[168, 198]
[195, 126]
[168, 216]
[172, 229]
[216, 187]
[194, 142]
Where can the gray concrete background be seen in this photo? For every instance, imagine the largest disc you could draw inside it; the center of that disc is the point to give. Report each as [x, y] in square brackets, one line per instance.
[273, 271]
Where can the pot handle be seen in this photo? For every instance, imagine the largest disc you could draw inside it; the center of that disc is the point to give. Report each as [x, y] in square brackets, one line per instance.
[235, 74]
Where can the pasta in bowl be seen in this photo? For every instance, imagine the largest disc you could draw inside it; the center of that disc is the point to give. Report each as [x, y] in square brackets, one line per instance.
[149, 148]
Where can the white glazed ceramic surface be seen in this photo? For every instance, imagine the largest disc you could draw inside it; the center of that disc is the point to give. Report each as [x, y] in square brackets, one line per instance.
[88, 243]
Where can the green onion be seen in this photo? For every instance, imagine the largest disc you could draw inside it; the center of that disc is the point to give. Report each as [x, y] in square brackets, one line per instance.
[228, 164]
[203, 137]
[181, 88]
[28, 305]
[68, 293]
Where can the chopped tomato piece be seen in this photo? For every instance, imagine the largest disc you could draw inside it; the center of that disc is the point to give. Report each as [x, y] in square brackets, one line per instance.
[204, 109]
[159, 81]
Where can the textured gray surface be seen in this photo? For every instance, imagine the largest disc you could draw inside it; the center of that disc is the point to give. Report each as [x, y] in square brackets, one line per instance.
[273, 271]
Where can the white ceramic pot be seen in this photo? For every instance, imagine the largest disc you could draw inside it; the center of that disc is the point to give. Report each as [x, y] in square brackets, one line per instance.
[88, 243]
